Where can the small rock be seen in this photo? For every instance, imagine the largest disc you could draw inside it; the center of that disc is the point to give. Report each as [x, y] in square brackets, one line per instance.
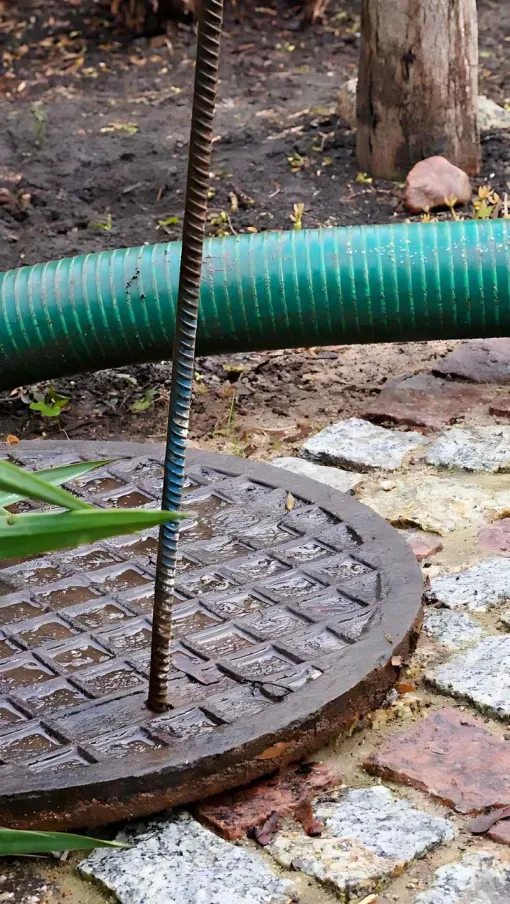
[491, 115]
[472, 449]
[432, 181]
[477, 589]
[345, 481]
[369, 836]
[500, 832]
[451, 629]
[481, 675]
[451, 756]
[346, 107]
[481, 361]
[500, 407]
[438, 504]
[355, 443]
[479, 878]
[175, 860]
[505, 619]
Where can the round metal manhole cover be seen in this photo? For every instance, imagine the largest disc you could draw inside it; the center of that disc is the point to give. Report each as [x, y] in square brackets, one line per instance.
[289, 611]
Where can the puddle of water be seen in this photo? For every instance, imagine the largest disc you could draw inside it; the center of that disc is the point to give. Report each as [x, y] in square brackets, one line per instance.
[125, 742]
[344, 569]
[59, 761]
[129, 638]
[25, 744]
[219, 641]
[19, 610]
[237, 604]
[238, 703]
[89, 561]
[52, 696]
[206, 509]
[131, 499]
[191, 617]
[7, 648]
[71, 595]
[99, 484]
[109, 680]
[204, 583]
[99, 616]
[306, 552]
[48, 629]
[121, 578]
[333, 605]
[80, 656]
[313, 642]
[274, 622]
[258, 566]
[290, 587]
[186, 725]
[23, 673]
[262, 663]
[9, 715]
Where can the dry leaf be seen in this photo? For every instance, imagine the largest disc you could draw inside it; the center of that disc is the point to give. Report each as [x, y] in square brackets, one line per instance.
[290, 502]
[12, 440]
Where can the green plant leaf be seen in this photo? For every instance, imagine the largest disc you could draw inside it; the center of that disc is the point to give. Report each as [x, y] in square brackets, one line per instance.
[14, 842]
[169, 221]
[145, 403]
[30, 486]
[57, 476]
[33, 533]
[49, 409]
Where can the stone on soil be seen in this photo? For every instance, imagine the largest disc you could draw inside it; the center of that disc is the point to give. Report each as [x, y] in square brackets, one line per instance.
[451, 629]
[472, 449]
[491, 115]
[176, 861]
[345, 481]
[495, 538]
[505, 619]
[481, 877]
[355, 443]
[453, 757]
[478, 589]
[481, 361]
[369, 834]
[425, 401]
[433, 181]
[438, 504]
[480, 675]
[423, 545]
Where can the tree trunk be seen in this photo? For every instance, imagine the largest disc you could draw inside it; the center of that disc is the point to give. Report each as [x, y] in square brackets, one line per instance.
[418, 85]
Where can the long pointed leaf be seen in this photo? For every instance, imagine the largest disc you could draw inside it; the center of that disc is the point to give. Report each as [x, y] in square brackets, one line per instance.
[34, 533]
[57, 476]
[14, 842]
[29, 486]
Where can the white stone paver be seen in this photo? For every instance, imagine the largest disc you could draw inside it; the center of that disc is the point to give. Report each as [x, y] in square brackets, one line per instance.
[435, 503]
[481, 675]
[355, 443]
[451, 629]
[481, 877]
[345, 481]
[472, 449]
[175, 860]
[368, 835]
[477, 589]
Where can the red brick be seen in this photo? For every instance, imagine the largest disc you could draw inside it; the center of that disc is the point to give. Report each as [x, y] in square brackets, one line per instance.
[495, 538]
[426, 401]
[424, 545]
[453, 757]
[242, 811]
[501, 832]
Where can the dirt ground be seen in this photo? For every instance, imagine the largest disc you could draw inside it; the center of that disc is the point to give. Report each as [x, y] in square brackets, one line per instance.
[93, 156]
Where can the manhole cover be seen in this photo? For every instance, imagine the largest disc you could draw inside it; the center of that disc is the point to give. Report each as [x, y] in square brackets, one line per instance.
[289, 612]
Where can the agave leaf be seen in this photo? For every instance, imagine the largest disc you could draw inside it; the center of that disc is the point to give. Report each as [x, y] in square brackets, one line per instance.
[15, 842]
[33, 533]
[57, 476]
[30, 486]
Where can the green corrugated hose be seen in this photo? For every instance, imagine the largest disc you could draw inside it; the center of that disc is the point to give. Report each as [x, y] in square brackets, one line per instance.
[272, 290]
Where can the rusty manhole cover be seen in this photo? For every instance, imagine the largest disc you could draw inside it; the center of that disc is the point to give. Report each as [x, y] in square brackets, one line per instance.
[285, 628]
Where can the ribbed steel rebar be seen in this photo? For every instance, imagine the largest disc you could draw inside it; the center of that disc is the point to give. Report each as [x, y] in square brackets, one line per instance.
[204, 101]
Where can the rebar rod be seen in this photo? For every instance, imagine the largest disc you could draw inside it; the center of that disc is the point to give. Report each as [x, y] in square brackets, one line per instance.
[183, 359]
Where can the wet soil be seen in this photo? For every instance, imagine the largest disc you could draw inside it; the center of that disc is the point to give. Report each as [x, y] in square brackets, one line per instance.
[93, 156]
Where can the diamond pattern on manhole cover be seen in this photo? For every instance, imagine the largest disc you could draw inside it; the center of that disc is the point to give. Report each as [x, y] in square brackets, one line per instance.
[280, 616]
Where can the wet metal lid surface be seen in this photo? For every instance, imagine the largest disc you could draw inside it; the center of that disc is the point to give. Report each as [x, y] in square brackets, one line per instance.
[289, 610]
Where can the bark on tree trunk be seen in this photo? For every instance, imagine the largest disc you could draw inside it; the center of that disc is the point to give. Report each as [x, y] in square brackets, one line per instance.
[418, 85]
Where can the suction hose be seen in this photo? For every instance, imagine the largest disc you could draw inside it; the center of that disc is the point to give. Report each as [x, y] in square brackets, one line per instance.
[395, 283]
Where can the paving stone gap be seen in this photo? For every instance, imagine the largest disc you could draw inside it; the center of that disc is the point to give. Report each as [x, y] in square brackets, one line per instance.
[451, 755]
[359, 445]
[480, 675]
[176, 860]
[369, 835]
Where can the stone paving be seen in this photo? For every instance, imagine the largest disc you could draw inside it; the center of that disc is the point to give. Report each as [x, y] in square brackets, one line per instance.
[386, 818]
